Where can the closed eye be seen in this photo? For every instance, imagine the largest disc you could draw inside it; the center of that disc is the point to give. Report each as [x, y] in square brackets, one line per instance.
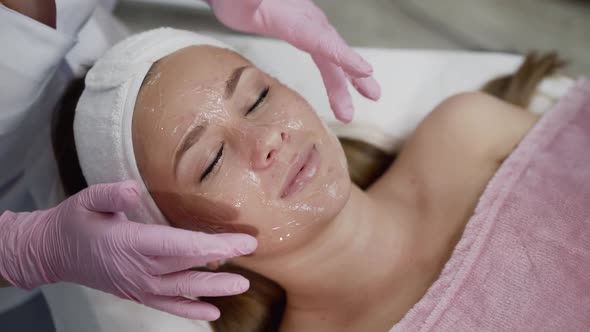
[260, 99]
[212, 165]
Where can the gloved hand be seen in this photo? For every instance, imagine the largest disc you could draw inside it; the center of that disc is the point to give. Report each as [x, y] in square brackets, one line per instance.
[88, 240]
[304, 25]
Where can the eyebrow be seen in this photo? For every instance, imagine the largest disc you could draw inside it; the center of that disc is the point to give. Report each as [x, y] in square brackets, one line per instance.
[190, 138]
[232, 81]
[195, 132]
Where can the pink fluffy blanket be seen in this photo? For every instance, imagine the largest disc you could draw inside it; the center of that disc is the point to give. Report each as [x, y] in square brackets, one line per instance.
[523, 263]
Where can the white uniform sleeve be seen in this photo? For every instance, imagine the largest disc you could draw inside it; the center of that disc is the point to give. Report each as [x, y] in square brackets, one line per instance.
[31, 53]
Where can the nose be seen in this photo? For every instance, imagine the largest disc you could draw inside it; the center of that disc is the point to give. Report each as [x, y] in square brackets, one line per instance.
[267, 144]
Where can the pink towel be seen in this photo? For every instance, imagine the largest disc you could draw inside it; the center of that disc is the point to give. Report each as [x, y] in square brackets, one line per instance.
[523, 263]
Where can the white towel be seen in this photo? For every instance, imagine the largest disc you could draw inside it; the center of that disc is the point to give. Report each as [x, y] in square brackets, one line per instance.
[102, 126]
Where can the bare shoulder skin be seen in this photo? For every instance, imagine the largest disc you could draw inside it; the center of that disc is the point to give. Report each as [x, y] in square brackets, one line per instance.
[446, 164]
[455, 151]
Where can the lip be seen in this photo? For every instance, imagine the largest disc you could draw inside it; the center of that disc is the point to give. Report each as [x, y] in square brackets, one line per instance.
[301, 172]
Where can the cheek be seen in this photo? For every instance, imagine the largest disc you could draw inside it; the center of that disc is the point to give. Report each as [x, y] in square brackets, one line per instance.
[198, 212]
[285, 225]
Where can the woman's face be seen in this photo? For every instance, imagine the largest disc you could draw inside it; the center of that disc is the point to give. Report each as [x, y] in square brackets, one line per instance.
[223, 147]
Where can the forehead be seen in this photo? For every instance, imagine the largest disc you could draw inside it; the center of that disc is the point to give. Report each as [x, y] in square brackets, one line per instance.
[189, 71]
[200, 63]
[184, 83]
[179, 87]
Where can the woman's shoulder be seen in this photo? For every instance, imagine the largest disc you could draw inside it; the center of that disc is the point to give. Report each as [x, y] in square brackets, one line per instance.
[454, 152]
[475, 125]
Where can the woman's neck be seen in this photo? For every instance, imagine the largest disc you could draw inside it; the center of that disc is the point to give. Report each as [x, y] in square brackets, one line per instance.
[364, 267]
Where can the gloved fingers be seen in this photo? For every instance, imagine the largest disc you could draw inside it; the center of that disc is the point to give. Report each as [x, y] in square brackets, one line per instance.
[169, 264]
[111, 197]
[191, 309]
[331, 45]
[321, 39]
[366, 86]
[158, 240]
[194, 283]
[337, 89]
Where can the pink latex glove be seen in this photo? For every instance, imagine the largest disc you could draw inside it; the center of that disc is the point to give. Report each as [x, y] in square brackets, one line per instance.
[87, 240]
[302, 24]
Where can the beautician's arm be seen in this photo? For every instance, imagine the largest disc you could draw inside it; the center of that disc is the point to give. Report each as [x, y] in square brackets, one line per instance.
[21, 33]
[31, 52]
[40, 10]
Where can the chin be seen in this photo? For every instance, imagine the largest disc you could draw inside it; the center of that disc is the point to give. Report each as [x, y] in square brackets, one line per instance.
[334, 194]
[304, 218]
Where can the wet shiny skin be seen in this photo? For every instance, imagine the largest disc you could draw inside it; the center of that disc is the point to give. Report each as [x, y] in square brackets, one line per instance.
[242, 192]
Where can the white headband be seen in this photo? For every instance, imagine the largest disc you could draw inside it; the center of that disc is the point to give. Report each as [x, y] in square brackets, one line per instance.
[102, 125]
